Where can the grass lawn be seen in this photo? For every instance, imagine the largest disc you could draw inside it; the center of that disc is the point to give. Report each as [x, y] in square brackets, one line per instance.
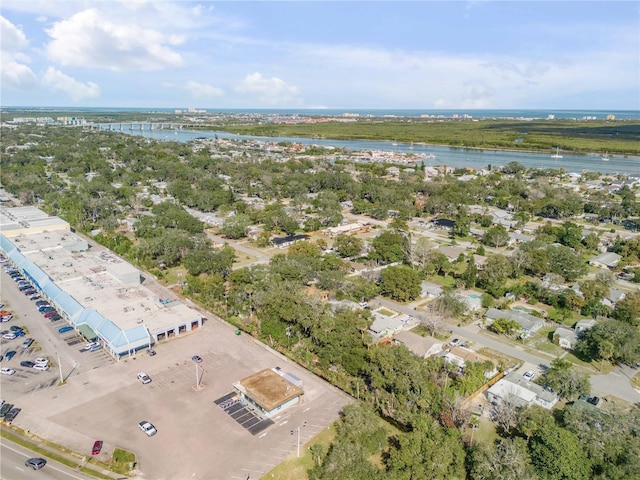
[294, 468]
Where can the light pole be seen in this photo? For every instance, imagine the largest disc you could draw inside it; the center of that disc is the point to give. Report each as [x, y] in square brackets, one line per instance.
[60, 368]
[298, 429]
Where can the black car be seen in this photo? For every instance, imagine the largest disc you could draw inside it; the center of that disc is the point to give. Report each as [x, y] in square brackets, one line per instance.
[35, 463]
[30, 291]
[9, 355]
[44, 310]
[25, 287]
[15, 328]
[55, 318]
[42, 302]
[27, 363]
[11, 414]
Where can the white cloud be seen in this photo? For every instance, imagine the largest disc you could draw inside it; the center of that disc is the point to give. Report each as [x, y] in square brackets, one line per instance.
[91, 39]
[269, 91]
[56, 80]
[15, 74]
[202, 91]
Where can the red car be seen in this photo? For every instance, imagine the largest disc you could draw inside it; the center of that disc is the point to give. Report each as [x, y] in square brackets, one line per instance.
[50, 314]
[97, 447]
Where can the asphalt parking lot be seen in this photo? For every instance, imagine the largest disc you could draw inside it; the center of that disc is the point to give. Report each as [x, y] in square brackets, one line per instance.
[103, 400]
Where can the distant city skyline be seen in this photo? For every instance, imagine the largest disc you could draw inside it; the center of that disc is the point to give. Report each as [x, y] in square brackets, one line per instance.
[315, 54]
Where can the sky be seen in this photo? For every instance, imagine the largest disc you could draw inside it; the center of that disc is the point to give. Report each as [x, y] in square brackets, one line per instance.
[321, 54]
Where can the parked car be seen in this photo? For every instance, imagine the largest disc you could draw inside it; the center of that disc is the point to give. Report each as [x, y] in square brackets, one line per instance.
[66, 329]
[34, 296]
[7, 371]
[151, 352]
[40, 367]
[42, 302]
[29, 292]
[24, 287]
[27, 363]
[5, 408]
[9, 355]
[529, 375]
[41, 361]
[9, 336]
[144, 378]
[455, 342]
[19, 333]
[15, 328]
[44, 310]
[196, 358]
[27, 342]
[6, 318]
[55, 318]
[97, 447]
[11, 414]
[35, 463]
[50, 314]
[147, 428]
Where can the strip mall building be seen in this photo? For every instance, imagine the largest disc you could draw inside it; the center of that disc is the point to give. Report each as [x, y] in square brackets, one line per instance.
[94, 290]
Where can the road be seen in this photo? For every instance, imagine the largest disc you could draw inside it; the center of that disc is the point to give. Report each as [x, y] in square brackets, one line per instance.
[13, 468]
[617, 383]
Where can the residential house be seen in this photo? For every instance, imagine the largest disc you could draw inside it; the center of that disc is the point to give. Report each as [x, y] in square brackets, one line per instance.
[606, 260]
[517, 238]
[565, 337]
[386, 326]
[584, 325]
[431, 290]
[422, 347]
[528, 323]
[480, 261]
[614, 297]
[451, 252]
[520, 392]
[460, 356]
[284, 242]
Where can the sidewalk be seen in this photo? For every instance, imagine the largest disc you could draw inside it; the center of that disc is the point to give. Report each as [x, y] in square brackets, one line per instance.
[80, 460]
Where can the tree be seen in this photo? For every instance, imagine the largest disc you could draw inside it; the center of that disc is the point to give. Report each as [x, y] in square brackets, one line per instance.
[348, 245]
[507, 459]
[236, 226]
[427, 452]
[449, 305]
[557, 454]
[388, 247]
[624, 337]
[503, 326]
[565, 380]
[400, 283]
[628, 309]
[471, 273]
[496, 236]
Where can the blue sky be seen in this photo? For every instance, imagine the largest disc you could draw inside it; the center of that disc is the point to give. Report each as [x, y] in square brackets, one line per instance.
[306, 54]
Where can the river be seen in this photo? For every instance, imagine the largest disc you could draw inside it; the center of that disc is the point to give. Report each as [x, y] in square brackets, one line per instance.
[450, 156]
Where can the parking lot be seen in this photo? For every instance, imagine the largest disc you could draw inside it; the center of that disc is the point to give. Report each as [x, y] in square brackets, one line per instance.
[103, 400]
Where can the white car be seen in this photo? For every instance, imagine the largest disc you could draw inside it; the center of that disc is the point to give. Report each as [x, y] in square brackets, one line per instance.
[9, 336]
[7, 371]
[41, 367]
[92, 346]
[144, 378]
[529, 375]
[147, 428]
[41, 361]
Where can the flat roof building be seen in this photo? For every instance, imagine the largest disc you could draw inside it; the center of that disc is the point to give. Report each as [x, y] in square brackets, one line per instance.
[90, 287]
[270, 391]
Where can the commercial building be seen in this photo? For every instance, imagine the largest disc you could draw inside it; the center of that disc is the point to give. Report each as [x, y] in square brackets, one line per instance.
[270, 391]
[104, 297]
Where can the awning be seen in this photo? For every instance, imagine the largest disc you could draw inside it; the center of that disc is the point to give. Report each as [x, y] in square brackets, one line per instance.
[87, 332]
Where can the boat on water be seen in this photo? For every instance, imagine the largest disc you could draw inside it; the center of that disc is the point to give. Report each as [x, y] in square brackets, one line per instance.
[557, 154]
[411, 146]
[605, 157]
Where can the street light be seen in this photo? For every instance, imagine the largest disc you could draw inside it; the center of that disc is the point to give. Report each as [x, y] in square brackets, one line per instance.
[298, 429]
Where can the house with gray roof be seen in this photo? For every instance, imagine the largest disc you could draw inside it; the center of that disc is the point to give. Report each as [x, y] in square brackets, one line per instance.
[584, 325]
[606, 260]
[422, 347]
[385, 326]
[431, 290]
[565, 337]
[528, 323]
[614, 297]
[521, 392]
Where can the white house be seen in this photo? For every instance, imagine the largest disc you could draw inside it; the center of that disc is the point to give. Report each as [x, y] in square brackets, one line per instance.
[519, 391]
[606, 260]
[385, 326]
[528, 323]
[565, 337]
